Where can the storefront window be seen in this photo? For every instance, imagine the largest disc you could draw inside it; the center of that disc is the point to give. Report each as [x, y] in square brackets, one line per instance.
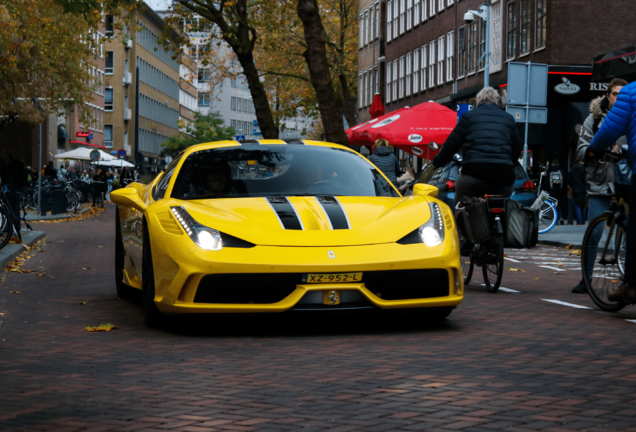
[541, 27]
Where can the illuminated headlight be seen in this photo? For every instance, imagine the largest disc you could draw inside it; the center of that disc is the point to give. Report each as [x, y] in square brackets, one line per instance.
[205, 237]
[432, 232]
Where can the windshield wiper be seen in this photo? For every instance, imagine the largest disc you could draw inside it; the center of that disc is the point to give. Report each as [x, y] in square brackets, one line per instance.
[201, 196]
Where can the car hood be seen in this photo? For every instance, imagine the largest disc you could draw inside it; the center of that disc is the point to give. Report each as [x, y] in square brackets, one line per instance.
[370, 220]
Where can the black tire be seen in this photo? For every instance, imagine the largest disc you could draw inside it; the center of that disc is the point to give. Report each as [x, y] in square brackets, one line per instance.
[604, 276]
[123, 290]
[493, 265]
[152, 314]
[6, 227]
[438, 314]
[467, 266]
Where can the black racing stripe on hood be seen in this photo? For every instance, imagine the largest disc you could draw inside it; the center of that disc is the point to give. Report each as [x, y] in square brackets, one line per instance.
[286, 213]
[334, 211]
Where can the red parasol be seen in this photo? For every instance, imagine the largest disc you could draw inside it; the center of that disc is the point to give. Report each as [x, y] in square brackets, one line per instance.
[360, 134]
[377, 107]
[411, 129]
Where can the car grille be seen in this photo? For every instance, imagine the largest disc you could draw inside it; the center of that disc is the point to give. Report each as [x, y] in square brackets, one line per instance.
[264, 288]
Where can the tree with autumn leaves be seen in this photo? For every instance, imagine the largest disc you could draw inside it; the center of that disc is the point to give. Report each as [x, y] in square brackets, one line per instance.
[293, 54]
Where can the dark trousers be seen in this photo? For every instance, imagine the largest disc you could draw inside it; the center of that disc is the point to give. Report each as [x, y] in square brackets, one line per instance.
[473, 187]
[630, 248]
[580, 212]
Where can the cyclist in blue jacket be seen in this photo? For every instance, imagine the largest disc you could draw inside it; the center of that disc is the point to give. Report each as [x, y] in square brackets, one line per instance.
[620, 121]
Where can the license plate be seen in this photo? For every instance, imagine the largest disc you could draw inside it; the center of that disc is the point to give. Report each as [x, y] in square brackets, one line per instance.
[331, 277]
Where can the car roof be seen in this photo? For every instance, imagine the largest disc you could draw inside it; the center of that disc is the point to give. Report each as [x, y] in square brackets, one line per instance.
[242, 143]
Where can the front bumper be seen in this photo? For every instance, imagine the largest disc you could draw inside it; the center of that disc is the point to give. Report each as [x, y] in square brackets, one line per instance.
[180, 266]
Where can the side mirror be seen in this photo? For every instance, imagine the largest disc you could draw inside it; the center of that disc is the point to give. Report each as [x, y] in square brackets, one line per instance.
[433, 146]
[128, 197]
[423, 189]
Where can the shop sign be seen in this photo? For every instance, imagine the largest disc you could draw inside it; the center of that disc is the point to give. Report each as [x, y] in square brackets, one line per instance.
[387, 121]
[567, 87]
[415, 138]
[88, 135]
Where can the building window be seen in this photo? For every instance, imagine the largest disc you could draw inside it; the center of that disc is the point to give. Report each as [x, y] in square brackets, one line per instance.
[108, 99]
[204, 99]
[407, 81]
[395, 80]
[425, 9]
[525, 27]
[440, 60]
[389, 19]
[204, 75]
[110, 63]
[541, 24]
[482, 43]
[376, 81]
[109, 27]
[472, 47]
[511, 31]
[108, 135]
[431, 11]
[416, 13]
[388, 83]
[450, 51]
[377, 19]
[361, 28]
[409, 14]
[441, 5]
[416, 71]
[360, 91]
[365, 28]
[461, 52]
[242, 105]
[365, 90]
[402, 16]
[450, 2]
[371, 23]
[423, 66]
[401, 75]
[431, 64]
[396, 17]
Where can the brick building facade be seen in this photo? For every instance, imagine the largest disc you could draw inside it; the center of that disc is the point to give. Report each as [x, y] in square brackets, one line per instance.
[432, 54]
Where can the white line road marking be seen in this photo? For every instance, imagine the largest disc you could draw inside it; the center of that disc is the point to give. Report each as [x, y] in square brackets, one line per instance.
[510, 259]
[634, 321]
[567, 304]
[553, 268]
[505, 289]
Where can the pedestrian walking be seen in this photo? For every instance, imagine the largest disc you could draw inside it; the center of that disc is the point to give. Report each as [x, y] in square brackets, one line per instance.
[386, 161]
[100, 185]
[576, 180]
[555, 180]
[50, 171]
[620, 122]
[599, 170]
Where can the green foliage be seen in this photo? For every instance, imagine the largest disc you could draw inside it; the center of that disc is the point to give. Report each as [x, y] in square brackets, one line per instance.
[205, 128]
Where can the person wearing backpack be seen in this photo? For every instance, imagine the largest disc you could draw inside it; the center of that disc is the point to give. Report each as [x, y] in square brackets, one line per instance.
[621, 121]
[599, 170]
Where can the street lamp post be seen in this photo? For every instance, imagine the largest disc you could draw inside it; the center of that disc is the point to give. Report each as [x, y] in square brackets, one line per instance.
[483, 13]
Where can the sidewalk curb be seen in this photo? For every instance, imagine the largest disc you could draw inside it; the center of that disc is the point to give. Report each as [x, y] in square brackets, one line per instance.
[12, 250]
[559, 243]
[36, 218]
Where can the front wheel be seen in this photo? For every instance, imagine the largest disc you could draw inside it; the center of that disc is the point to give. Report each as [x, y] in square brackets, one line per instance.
[602, 260]
[547, 217]
[493, 265]
[6, 228]
[467, 268]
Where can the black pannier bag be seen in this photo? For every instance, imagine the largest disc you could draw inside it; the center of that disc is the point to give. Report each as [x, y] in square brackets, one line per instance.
[521, 226]
[472, 219]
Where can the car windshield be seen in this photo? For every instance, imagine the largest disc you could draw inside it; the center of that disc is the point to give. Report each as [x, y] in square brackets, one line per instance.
[278, 170]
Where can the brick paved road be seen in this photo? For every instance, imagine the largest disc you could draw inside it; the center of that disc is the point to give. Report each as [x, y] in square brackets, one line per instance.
[508, 361]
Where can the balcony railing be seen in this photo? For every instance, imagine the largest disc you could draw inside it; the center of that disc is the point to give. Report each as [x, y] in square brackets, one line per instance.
[127, 79]
[127, 113]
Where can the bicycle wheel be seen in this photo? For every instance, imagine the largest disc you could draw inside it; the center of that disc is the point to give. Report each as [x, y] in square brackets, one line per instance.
[467, 268]
[493, 265]
[606, 272]
[547, 217]
[6, 227]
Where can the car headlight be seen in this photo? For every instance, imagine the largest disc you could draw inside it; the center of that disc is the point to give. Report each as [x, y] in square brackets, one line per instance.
[205, 237]
[432, 232]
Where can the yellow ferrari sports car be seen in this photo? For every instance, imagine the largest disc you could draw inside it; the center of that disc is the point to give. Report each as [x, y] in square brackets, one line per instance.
[272, 226]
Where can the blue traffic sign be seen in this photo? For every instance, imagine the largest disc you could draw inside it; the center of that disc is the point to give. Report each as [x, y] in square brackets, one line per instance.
[257, 132]
[463, 109]
[240, 137]
[121, 153]
[255, 123]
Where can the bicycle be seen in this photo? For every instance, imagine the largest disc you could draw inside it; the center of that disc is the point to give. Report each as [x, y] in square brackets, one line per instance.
[609, 263]
[548, 214]
[489, 253]
[9, 223]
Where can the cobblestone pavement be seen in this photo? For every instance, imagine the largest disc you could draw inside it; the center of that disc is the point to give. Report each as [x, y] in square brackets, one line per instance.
[505, 361]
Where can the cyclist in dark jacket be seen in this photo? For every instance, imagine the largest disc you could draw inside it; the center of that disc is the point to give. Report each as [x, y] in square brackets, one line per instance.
[489, 141]
[385, 160]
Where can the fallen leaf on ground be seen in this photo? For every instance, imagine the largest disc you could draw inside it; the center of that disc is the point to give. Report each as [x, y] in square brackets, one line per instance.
[536, 278]
[40, 274]
[558, 261]
[569, 246]
[82, 303]
[575, 252]
[101, 327]
[98, 246]
[505, 255]
[614, 281]
[14, 292]
[3, 313]
[517, 270]
[27, 271]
